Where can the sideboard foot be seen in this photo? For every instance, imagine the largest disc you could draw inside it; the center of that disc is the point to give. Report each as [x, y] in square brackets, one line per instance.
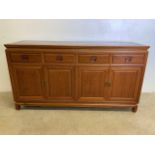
[134, 109]
[18, 107]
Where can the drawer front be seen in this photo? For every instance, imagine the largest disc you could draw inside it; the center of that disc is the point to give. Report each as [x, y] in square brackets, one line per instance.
[59, 58]
[128, 59]
[25, 58]
[94, 59]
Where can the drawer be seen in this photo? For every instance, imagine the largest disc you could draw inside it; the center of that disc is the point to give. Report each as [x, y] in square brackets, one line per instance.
[25, 58]
[128, 59]
[59, 58]
[95, 59]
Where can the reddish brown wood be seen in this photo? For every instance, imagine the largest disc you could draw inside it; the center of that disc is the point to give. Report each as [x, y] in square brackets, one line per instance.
[128, 59]
[17, 106]
[76, 75]
[28, 81]
[25, 58]
[60, 82]
[91, 83]
[124, 83]
[59, 58]
[74, 45]
[134, 109]
[94, 59]
[80, 104]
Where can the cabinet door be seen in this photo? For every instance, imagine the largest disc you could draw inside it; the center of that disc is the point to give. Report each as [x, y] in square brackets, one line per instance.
[60, 82]
[125, 83]
[92, 83]
[28, 82]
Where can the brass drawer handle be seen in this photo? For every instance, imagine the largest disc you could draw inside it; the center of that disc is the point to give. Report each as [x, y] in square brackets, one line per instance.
[93, 58]
[59, 58]
[25, 57]
[128, 59]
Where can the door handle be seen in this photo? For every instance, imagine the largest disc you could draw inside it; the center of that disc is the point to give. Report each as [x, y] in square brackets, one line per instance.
[128, 59]
[59, 58]
[93, 58]
[25, 57]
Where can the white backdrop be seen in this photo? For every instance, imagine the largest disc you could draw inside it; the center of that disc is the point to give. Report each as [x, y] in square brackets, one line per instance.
[140, 31]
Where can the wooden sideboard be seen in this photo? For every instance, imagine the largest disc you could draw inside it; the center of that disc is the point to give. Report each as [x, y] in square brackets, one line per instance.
[76, 74]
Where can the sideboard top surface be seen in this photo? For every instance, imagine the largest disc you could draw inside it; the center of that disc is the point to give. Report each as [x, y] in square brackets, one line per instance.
[74, 44]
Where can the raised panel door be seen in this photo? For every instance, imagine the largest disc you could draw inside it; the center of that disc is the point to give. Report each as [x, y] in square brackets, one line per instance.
[125, 83]
[60, 81]
[28, 81]
[92, 83]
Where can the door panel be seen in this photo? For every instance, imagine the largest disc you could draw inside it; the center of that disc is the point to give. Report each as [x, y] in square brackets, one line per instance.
[91, 83]
[60, 82]
[29, 82]
[125, 82]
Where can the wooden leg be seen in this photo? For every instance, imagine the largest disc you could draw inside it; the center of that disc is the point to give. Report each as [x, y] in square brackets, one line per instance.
[17, 106]
[134, 109]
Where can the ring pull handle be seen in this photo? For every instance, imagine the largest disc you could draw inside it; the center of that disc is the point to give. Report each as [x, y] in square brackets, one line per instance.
[25, 57]
[128, 59]
[93, 58]
[59, 58]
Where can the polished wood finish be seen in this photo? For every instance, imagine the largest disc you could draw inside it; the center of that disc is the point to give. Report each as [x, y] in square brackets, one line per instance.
[134, 109]
[75, 45]
[25, 58]
[59, 58]
[92, 83]
[124, 83]
[95, 59]
[128, 59]
[60, 82]
[28, 81]
[17, 106]
[82, 74]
